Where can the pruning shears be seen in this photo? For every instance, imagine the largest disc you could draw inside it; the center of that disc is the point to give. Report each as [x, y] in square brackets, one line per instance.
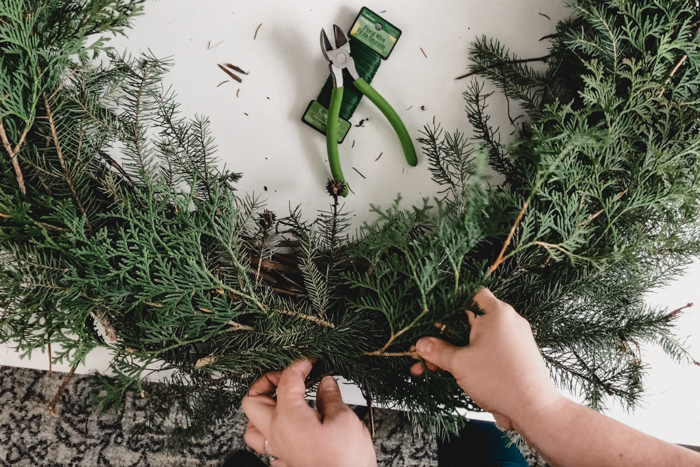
[340, 59]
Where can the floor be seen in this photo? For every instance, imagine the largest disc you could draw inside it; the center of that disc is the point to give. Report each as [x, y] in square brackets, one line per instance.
[77, 436]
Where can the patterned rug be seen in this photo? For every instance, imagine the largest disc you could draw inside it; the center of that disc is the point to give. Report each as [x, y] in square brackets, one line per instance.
[78, 436]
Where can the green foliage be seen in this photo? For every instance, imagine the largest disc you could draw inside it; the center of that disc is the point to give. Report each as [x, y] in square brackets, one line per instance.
[119, 229]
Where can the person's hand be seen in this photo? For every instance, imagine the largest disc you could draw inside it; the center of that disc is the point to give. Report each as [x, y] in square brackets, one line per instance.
[501, 369]
[287, 429]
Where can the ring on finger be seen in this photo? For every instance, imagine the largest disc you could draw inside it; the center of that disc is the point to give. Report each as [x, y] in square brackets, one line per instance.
[267, 452]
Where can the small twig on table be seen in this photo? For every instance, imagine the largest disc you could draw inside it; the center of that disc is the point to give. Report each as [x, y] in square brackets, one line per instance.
[230, 73]
[359, 173]
[235, 68]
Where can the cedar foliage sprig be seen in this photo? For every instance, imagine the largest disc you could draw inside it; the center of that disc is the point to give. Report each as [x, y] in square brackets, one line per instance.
[115, 215]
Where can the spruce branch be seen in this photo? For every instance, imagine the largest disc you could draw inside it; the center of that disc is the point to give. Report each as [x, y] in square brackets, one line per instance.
[267, 220]
[506, 62]
[63, 84]
[239, 327]
[609, 38]
[311, 318]
[66, 176]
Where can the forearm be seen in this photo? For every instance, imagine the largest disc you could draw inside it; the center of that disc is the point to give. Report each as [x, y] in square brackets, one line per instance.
[570, 435]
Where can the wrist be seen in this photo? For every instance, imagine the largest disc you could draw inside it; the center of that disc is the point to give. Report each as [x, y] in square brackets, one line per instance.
[535, 416]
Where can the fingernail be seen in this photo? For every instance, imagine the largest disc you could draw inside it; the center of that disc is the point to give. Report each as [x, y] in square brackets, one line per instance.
[328, 382]
[424, 346]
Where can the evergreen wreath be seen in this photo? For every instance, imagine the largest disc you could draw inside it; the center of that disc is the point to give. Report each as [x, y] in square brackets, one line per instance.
[115, 214]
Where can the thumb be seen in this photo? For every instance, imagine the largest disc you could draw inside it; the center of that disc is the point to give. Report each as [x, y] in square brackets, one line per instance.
[329, 402]
[438, 352]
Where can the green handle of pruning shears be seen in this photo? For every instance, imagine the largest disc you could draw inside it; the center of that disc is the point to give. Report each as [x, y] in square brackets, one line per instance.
[386, 109]
[392, 116]
[332, 136]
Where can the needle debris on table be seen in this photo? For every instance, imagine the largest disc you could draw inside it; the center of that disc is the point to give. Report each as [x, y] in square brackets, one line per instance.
[230, 73]
[225, 81]
[209, 46]
[359, 173]
[235, 68]
[421, 49]
[256, 31]
[380, 155]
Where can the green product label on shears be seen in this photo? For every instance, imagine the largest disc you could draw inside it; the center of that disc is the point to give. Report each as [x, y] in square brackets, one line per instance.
[316, 116]
[375, 32]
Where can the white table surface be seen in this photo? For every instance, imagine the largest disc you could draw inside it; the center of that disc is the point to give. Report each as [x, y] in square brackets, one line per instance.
[274, 149]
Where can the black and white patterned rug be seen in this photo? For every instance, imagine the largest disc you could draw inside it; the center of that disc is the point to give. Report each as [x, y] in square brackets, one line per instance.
[78, 436]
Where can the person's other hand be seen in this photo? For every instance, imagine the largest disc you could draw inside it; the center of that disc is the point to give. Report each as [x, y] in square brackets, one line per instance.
[501, 369]
[297, 435]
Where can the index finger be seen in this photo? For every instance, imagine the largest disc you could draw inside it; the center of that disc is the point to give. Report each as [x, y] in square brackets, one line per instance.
[265, 385]
[486, 300]
[291, 384]
[259, 404]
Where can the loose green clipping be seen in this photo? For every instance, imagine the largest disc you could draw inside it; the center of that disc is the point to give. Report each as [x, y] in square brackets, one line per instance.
[367, 60]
